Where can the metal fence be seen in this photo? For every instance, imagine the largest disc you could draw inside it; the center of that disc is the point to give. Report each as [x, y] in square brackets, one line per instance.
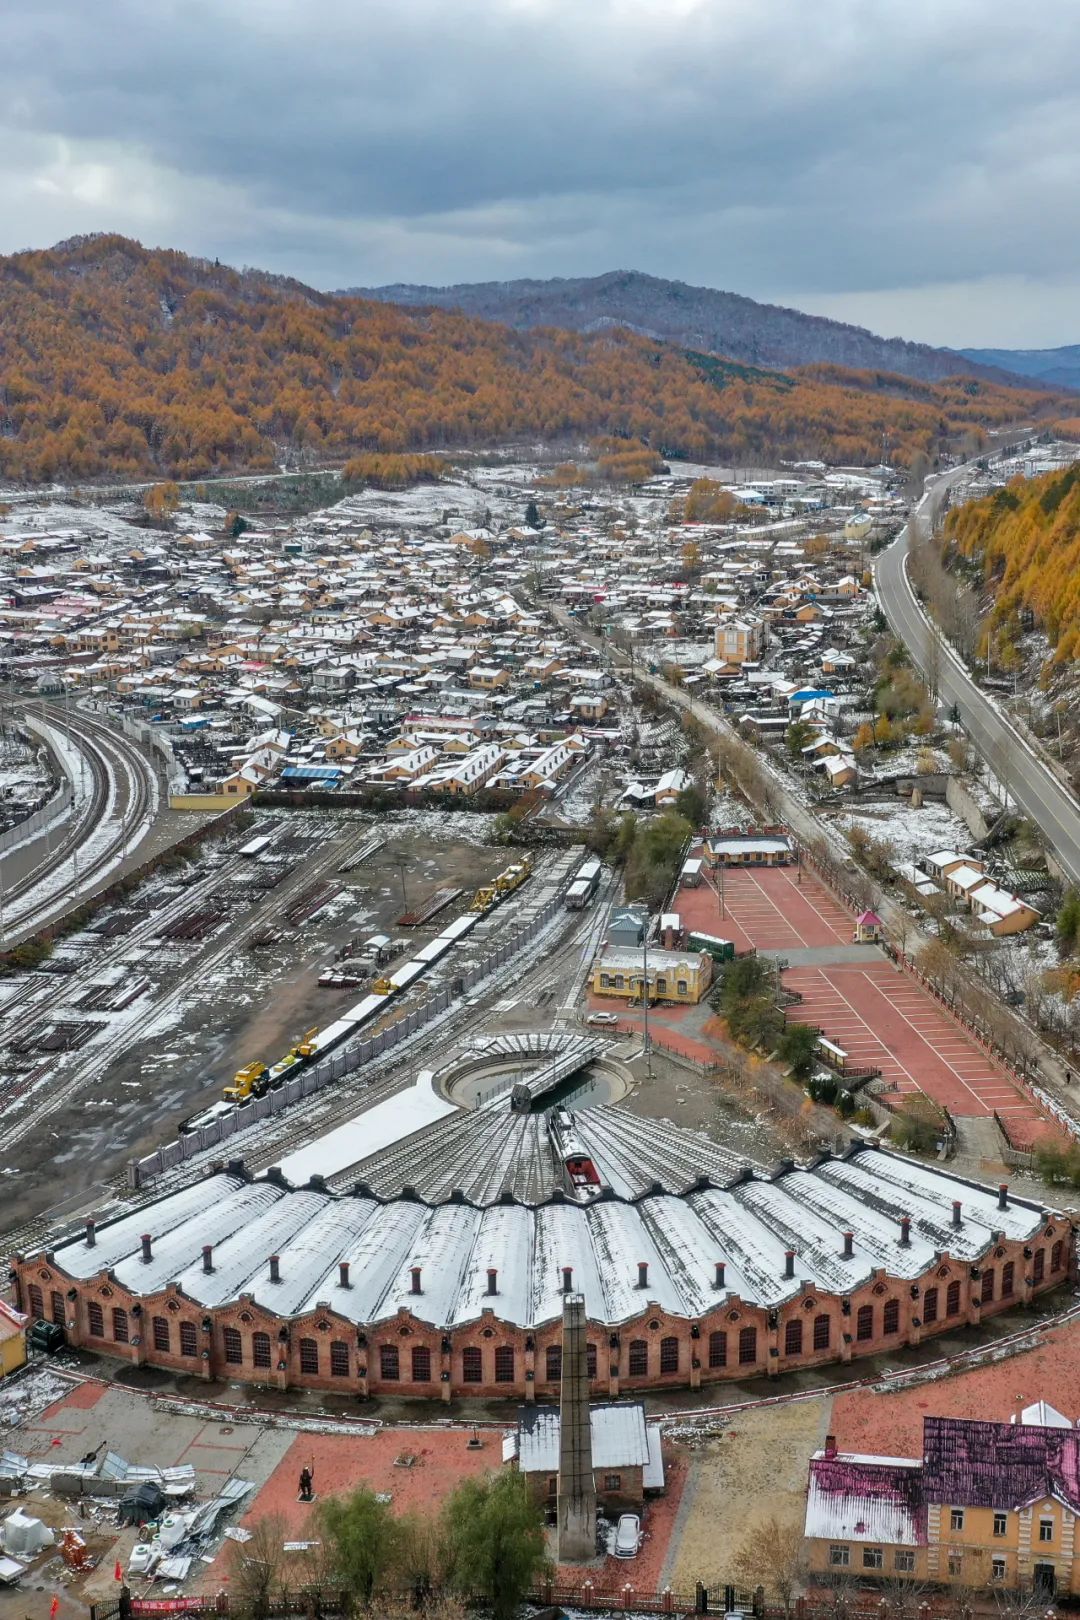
[320, 1603]
[53, 810]
[339, 1064]
[56, 805]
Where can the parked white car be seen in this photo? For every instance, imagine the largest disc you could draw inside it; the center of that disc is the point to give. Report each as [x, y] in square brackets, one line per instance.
[602, 1018]
[627, 1536]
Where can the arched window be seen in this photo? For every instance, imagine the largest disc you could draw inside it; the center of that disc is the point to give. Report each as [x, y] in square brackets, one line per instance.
[986, 1292]
[638, 1360]
[309, 1355]
[1039, 1267]
[1057, 1255]
[748, 1347]
[590, 1361]
[339, 1359]
[952, 1299]
[1008, 1272]
[793, 1338]
[421, 1364]
[929, 1309]
[553, 1363]
[56, 1306]
[232, 1345]
[717, 1349]
[822, 1332]
[260, 1350]
[890, 1317]
[189, 1339]
[389, 1363]
[95, 1319]
[864, 1322]
[669, 1354]
[160, 1329]
[37, 1303]
[120, 1325]
[504, 1364]
[472, 1366]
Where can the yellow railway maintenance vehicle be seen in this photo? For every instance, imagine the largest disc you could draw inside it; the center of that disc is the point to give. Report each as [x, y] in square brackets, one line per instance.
[245, 1083]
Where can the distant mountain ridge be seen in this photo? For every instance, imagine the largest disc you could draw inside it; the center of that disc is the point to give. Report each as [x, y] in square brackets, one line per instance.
[1056, 368]
[122, 362]
[698, 318]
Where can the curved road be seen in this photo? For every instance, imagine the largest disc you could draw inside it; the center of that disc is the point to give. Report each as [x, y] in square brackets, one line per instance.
[1030, 781]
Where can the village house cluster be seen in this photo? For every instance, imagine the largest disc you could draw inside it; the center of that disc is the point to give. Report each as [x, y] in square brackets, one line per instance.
[317, 655]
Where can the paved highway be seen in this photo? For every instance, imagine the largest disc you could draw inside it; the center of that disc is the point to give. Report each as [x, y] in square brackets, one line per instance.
[1033, 785]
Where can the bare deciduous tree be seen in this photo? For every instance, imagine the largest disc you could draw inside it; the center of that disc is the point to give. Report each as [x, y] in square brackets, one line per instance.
[773, 1555]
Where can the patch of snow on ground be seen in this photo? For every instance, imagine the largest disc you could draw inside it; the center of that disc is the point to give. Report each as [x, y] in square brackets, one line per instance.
[22, 1399]
[911, 832]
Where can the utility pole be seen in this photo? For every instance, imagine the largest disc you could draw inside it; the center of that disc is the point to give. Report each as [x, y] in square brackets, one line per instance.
[645, 990]
[401, 863]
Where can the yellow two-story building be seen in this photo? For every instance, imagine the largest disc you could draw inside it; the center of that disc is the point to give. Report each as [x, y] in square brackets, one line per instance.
[987, 1505]
[679, 976]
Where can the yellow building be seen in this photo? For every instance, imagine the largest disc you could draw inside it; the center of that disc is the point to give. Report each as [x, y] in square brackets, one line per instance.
[672, 975]
[739, 640]
[12, 1339]
[987, 1505]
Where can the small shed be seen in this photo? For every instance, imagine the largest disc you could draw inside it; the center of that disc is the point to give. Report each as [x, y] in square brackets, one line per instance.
[627, 926]
[868, 928]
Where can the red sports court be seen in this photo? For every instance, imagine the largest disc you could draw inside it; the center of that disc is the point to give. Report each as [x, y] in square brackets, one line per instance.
[775, 908]
[881, 1016]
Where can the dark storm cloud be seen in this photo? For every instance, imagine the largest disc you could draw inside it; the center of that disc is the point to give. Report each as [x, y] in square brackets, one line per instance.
[853, 149]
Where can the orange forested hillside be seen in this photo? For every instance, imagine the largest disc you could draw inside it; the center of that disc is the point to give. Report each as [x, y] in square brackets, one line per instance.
[117, 361]
[1027, 538]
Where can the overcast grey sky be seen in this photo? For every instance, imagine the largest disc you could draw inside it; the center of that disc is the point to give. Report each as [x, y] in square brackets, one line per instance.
[911, 165]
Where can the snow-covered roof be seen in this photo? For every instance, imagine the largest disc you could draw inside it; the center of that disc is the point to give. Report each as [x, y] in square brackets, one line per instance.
[619, 1437]
[856, 1498]
[675, 1208]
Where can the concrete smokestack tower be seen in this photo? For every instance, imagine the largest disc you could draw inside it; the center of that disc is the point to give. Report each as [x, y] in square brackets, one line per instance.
[576, 1533]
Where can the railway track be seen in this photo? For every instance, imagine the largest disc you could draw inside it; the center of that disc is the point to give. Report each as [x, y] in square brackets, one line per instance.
[218, 950]
[558, 946]
[385, 1076]
[123, 797]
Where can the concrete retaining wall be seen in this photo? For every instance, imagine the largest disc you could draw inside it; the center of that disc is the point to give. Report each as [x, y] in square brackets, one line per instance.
[961, 803]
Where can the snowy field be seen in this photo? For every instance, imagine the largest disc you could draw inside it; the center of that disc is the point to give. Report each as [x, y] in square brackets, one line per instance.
[911, 832]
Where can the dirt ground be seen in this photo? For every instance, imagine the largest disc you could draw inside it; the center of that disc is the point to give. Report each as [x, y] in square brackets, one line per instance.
[753, 1471]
